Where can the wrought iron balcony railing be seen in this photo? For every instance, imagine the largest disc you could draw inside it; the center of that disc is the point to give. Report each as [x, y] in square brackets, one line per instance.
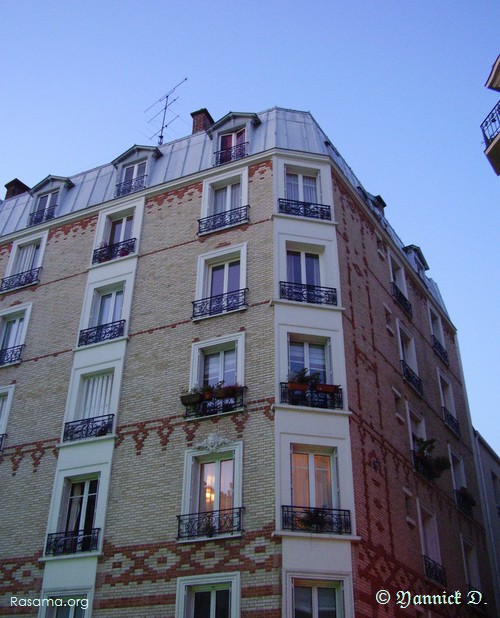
[2, 439]
[433, 570]
[438, 347]
[304, 209]
[222, 303]
[412, 378]
[209, 524]
[28, 277]
[42, 215]
[401, 299]
[111, 252]
[103, 332]
[223, 219]
[423, 466]
[464, 501]
[88, 427]
[319, 520]
[451, 421]
[60, 543]
[230, 154]
[217, 403]
[11, 355]
[130, 186]
[491, 125]
[312, 397]
[303, 293]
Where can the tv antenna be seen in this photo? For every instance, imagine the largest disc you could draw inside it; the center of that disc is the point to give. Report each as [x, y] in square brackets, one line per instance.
[166, 105]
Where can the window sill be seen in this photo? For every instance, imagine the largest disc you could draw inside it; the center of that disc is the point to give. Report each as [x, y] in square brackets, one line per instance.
[84, 441]
[309, 409]
[223, 228]
[216, 315]
[100, 343]
[120, 258]
[296, 303]
[204, 417]
[314, 535]
[205, 539]
[298, 218]
[18, 362]
[77, 555]
[19, 287]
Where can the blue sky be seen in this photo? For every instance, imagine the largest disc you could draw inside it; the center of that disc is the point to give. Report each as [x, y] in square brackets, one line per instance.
[397, 85]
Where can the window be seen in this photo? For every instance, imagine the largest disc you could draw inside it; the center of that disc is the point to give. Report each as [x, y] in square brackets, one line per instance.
[45, 208]
[13, 326]
[448, 404]
[24, 264]
[208, 596]
[471, 567]
[224, 201]
[437, 336]
[6, 395]
[134, 179]
[305, 354]
[76, 532]
[317, 599]
[232, 147]
[117, 241]
[457, 470]
[416, 426]
[62, 606]
[105, 317]
[398, 286]
[430, 547]
[301, 187]
[303, 278]
[409, 359]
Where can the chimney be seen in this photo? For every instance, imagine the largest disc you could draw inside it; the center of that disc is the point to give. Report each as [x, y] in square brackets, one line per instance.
[201, 120]
[15, 187]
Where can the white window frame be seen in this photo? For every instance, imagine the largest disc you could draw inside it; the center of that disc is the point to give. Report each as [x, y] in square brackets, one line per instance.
[446, 394]
[413, 415]
[65, 594]
[135, 165]
[19, 244]
[311, 450]
[471, 566]
[303, 249]
[341, 582]
[209, 345]
[316, 340]
[186, 584]
[436, 325]
[300, 172]
[457, 469]
[48, 195]
[314, 168]
[397, 274]
[409, 355]
[234, 132]
[425, 532]
[13, 312]
[220, 181]
[6, 395]
[106, 217]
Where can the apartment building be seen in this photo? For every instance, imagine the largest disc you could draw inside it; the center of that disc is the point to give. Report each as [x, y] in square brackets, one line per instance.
[227, 388]
[490, 126]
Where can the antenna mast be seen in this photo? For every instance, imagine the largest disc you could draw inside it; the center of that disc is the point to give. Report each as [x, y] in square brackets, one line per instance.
[165, 107]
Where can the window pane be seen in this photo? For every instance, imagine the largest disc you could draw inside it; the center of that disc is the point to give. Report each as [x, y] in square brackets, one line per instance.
[222, 606]
[294, 274]
[326, 603]
[309, 183]
[141, 169]
[317, 360]
[202, 604]
[129, 173]
[104, 309]
[323, 481]
[207, 487]
[211, 369]
[128, 227]
[220, 198]
[229, 376]
[27, 258]
[300, 479]
[117, 309]
[96, 398]
[233, 279]
[217, 280]
[42, 202]
[296, 356]
[312, 269]
[302, 602]
[240, 137]
[116, 231]
[292, 187]
[226, 484]
[226, 141]
[235, 195]
[75, 507]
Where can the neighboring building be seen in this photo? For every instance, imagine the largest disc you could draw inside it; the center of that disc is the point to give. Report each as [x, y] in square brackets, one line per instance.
[228, 263]
[491, 125]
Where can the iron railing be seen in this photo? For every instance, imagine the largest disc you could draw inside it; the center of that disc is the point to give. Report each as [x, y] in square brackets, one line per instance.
[230, 154]
[411, 377]
[451, 421]
[28, 277]
[209, 524]
[401, 299]
[2, 438]
[221, 303]
[72, 542]
[464, 502]
[433, 570]
[304, 293]
[11, 355]
[88, 427]
[223, 219]
[130, 186]
[103, 332]
[42, 215]
[423, 466]
[110, 252]
[439, 348]
[491, 125]
[304, 209]
[217, 403]
[311, 397]
[319, 520]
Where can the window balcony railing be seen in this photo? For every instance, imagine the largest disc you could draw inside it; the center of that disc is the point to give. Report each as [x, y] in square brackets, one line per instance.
[327, 396]
[2, 439]
[412, 378]
[304, 293]
[28, 277]
[318, 520]
[224, 219]
[209, 524]
[438, 347]
[401, 299]
[42, 215]
[221, 303]
[111, 252]
[465, 501]
[103, 332]
[231, 154]
[433, 570]
[8, 356]
[88, 428]
[451, 421]
[491, 125]
[304, 209]
[130, 186]
[212, 402]
[423, 465]
[60, 543]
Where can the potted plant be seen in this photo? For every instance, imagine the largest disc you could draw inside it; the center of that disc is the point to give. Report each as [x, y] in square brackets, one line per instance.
[229, 391]
[314, 519]
[466, 496]
[192, 397]
[327, 388]
[207, 391]
[434, 466]
[298, 380]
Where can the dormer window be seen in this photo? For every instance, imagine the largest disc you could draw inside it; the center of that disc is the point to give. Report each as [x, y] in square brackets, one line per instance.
[45, 208]
[134, 179]
[232, 147]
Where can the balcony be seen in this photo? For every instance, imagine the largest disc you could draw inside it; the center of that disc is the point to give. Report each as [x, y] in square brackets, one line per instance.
[209, 524]
[130, 186]
[433, 570]
[213, 402]
[222, 303]
[326, 396]
[465, 501]
[111, 252]
[412, 378]
[9, 356]
[19, 280]
[224, 219]
[304, 209]
[231, 154]
[60, 543]
[401, 299]
[42, 215]
[317, 520]
[438, 347]
[88, 428]
[423, 465]
[103, 332]
[491, 133]
[451, 421]
[304, 293]
[2, 440]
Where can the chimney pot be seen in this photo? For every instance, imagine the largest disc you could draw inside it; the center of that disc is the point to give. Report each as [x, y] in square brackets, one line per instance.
[15, 187]
[201, 120]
